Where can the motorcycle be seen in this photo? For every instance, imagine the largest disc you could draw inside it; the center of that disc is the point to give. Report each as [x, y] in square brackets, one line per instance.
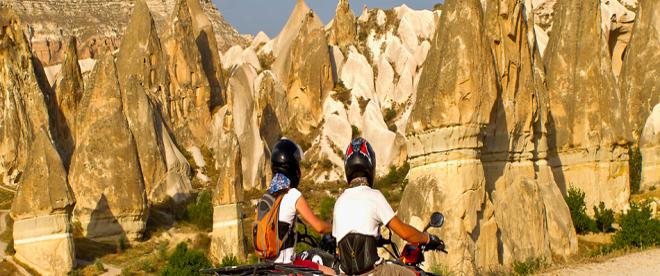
[323, 252]
[412, 255]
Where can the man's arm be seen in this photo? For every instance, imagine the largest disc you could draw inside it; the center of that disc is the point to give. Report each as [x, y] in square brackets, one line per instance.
[407, 232]
[308, 215]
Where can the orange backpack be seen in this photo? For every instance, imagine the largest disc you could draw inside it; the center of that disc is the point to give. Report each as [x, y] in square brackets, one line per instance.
[265, 230]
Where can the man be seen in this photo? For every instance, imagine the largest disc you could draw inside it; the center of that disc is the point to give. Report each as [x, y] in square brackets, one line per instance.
[360, 211]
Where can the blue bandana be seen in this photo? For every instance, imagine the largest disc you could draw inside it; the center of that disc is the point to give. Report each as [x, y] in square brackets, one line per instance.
[279, 182]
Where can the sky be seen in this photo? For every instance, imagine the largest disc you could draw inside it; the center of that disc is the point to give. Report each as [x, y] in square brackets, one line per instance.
[252, 16]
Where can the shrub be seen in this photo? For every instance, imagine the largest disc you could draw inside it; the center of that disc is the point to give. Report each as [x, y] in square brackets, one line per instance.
[326, 164]
[529, 266]
[390, 114]
[356, 131]
[575, 201]
[266, 60]
[635, 172]
[395, 176]
[604, 218]
[342, 94]
[325, 208]
[147, 265]
[185, 262]
[200, 212]
[98, 265]
[638, 228]
[122, 244]
[229, 260]
[162, 250]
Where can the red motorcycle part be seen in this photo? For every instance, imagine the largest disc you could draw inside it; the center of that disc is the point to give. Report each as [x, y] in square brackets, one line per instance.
[412, 254]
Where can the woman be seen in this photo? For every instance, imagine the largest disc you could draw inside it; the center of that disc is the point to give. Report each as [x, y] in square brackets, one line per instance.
[285, 165]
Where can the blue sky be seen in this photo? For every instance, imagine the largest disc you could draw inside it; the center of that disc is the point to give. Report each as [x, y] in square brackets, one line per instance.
[252, 16]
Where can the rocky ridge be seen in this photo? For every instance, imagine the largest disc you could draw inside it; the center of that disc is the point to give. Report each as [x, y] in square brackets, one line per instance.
[98, 24]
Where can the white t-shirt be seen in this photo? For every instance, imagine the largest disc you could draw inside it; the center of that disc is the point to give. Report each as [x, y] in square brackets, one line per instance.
[360, 210]
[288, 214]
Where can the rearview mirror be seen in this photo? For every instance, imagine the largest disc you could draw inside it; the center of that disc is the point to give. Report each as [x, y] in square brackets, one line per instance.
[437, 220]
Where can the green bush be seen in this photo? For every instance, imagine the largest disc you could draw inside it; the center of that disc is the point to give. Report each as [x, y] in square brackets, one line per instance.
[395, 176]
[98, 265]
[122, 244]
[229, 260]
[604, 218]
[356, 131]
[638, 228]
[529, 266]
[200, 211]
[184, 262]
[582, 222]
[635, 168]
[326, 207]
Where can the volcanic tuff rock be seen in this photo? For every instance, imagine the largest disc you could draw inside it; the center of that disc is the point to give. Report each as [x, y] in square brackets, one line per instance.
[142, 72]
[444, 133]
[227, 236]
[588, 130]
[344, 29]
[105, 171]
[42, 212]
[99, 24]
[309, 79]
[530, 214]
[68, 92]
[616, 22]
[640, 81]
[23, 104]
[246, 126]
[188, 104]
[283, 43]
[208, 49]
[649, 145]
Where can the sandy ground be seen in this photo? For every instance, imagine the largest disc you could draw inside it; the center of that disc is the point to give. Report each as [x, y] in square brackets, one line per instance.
[640, 263]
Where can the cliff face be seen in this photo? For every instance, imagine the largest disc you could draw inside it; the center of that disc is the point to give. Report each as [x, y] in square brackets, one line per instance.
[97, 24]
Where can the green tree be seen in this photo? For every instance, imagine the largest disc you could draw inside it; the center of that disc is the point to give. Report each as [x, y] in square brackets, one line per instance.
[575, 201]
[200, 212]
[638, 228]
[185, 262]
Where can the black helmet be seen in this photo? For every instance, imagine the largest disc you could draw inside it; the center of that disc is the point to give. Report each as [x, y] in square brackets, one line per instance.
[360, 161]
[285, 159]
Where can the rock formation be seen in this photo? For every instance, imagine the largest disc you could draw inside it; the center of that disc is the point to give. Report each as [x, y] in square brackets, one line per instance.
[588, 133]
[68, 92]
[530, 214]
[142, 72]
[344, 28]
[208, 49]
[188, 104]
[99, 24]
[444, 133]
[649, 145]
[227, 236]
[309, 78]
[42, 212]
[639, 77]
[284, 41]
[246, 127]
[616, 22]
[23, 105]
[105, 173]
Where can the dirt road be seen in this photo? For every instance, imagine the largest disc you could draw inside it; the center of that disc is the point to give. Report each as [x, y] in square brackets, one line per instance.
[640, 263]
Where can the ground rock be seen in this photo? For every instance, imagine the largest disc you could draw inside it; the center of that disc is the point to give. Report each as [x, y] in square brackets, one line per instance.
[587, 129]
[639, 77]
[42, 212]
[105, 171]
[650, 147]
